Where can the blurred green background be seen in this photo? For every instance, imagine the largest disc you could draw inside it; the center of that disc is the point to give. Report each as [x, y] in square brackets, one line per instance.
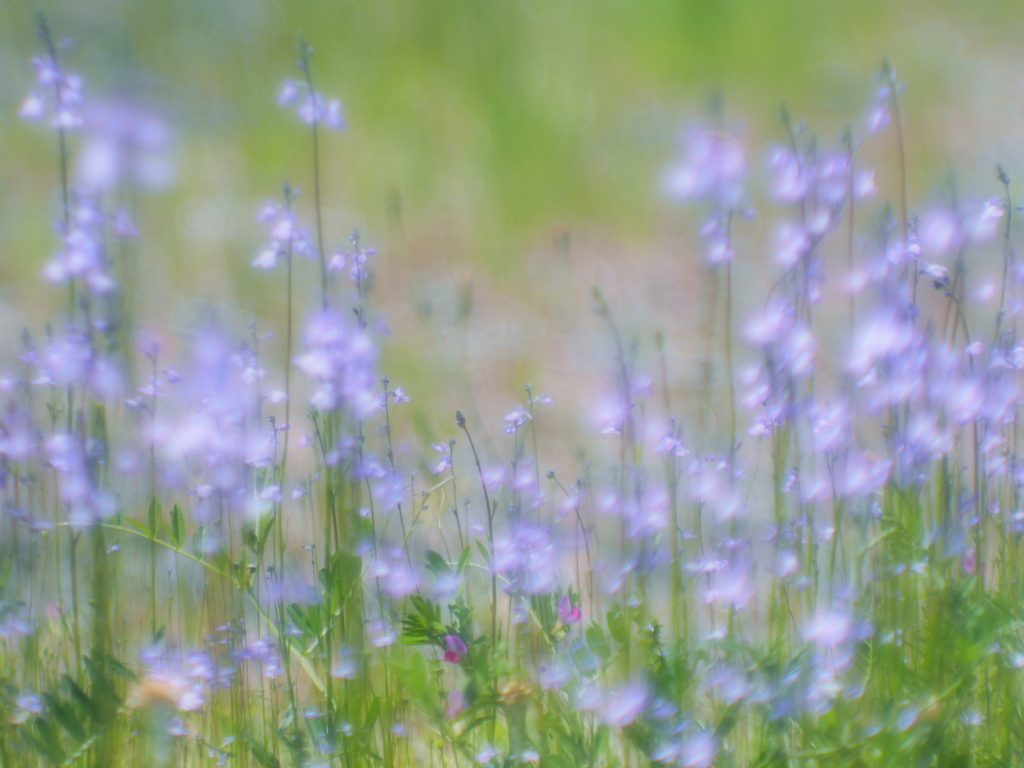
[502, 155]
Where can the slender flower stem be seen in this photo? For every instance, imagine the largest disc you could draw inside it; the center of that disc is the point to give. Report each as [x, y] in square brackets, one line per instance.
[728, 349]
[460, 420]
[1007, 248]
[890, 76]
[287, 359]
[304, 53]
[62, 153]
[848, 139]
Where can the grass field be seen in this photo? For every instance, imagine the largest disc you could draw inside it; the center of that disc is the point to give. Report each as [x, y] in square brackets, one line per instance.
[571, 384]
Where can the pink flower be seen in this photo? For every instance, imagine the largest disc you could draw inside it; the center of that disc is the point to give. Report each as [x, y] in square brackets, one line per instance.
[455, 649]
[568, 613]
[456, 703]
[970, 561]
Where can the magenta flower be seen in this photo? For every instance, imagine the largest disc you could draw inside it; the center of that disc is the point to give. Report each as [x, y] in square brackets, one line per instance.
[456, 704]
[567, 612]
[455, 649]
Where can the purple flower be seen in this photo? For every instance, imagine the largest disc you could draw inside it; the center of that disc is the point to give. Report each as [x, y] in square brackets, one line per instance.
[444, 458]
[58, 96]
[124, 141]
[311, 106]
[567, 612]
[286, 236]
[698, 751]
[624, 705]
[791, 243]
[712, 165]
[455, 649]
[340, 357]
[392, 568]
[828, 629]
[527, 554]
[791, 183]
[457, 703]
[82, 255]
[356, 258]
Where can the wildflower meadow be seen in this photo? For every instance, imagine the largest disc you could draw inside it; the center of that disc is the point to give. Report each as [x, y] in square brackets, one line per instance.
[228, 543]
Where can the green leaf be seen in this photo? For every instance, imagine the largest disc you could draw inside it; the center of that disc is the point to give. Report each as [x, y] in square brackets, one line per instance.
[197, 540]
[249, 536]
[483, 551]
[268, 524]
[416, 682]
[104, 696]
[618, 625]
[81, 698]
[587, 659]
[299, 619]
[259, 752]
[556, 761]
[598, 744]
[431, 613]
[415, 630]
[112, 664]
[371, 715]
[46, 741]
[436, 565]
[463, 559]
[64, 715]
[177, 527]
[140, 527]
[598, 644]
[155, 514]
[346, 572]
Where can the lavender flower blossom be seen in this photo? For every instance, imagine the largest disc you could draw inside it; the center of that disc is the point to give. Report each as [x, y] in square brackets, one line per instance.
[202, 432]
[341, 359]
[286, 235]
[355, 259]
[82, 253]
[124, 142]
[698, 751]
[57, 97]
[878, 112]
[311, 106]
[625, 705]
[711, 165]
[527, 555]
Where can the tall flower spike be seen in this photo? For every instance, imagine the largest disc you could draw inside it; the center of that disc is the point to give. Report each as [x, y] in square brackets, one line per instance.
[286, 236]
[82, 253]
[313, 111]
[58, 95]
[310, 106]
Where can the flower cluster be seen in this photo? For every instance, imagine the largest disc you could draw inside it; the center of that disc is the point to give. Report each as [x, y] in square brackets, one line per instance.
[310, 106]
[287, 236]
[340, 358]
[57, 97]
